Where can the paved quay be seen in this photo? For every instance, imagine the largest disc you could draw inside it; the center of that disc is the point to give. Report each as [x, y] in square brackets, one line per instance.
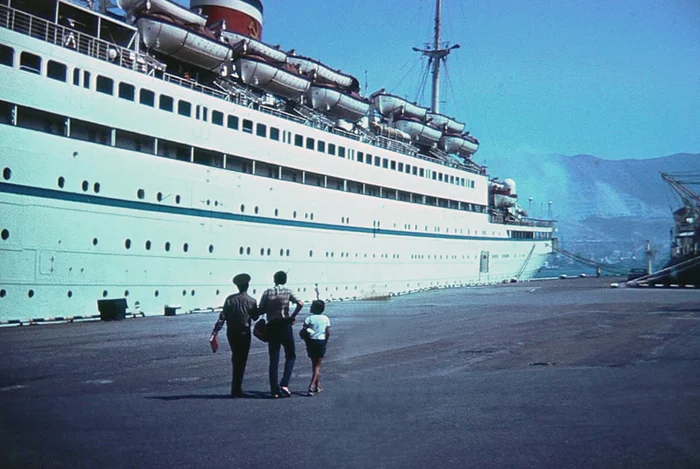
[547, 374]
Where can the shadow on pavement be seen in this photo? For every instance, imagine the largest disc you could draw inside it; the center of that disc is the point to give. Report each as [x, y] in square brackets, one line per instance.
[248, 395]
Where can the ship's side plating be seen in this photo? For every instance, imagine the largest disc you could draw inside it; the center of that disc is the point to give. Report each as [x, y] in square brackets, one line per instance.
[106, 195]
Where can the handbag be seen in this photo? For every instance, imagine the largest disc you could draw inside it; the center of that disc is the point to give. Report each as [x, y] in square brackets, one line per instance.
[260, 330]
[305, 333]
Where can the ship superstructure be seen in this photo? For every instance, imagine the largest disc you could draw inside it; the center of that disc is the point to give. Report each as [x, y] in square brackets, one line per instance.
[151, 156]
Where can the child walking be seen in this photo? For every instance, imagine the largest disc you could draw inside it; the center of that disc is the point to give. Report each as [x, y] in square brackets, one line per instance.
[318, 327]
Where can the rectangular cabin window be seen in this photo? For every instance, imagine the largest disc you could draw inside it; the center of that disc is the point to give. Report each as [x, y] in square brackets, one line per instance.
[56, 71]
[452, 179]
[385, 163]
[105, 85]
[166, 103]
[360, 157]
[472, 185]
[408, 169]
[377, 161]
[232, 122]
[7, 55]
[217, 118]
[341, 152]
[247, 126]
[76, 76]
[310, 143]
[422, 172]
[86, 80]
[30, 63]
[261, 130]
[401, 167]
[274, 134]
[393, 165]
[127, 91]
[321, 146]
[202, 113]
[184, 108]
[147, 97]
[331, 149]
[369, 159]
[440, 177]
[299, 140]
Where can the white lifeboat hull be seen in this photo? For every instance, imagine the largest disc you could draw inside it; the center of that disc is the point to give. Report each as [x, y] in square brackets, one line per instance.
[388, 105]
[166, 7]
[183, 44]
[458, 144]
[446, 123]
[336, 103]
[418, 131]
[268, 77]
[321, 71]
[245, 45]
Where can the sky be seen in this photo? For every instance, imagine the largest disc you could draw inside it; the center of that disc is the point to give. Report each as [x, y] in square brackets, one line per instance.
[614, 79]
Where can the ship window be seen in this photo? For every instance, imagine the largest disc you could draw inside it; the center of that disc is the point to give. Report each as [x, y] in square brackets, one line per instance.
[377, 161]
[472, 184]
[369, 159]
[385, 163]
[127, 91]
[30, 63]
[393, 165]
[274, 134]
[247, 126]
[408, 169]
[86, 80]
[202, 113]
[331, 149]
[217, 117]
[434, 176]
[56, 70]
[415, 171]
[321, 146]
[298, 140]
[341, 152]
[76, 76]
[452, 179]
[422, 172]
[147, 97]
[401, 167]
[360, 157]
[184, 108]
[310, 143]
[105, 85]
[232, 122]
[261, 130]
[7, 55]
[166, 103]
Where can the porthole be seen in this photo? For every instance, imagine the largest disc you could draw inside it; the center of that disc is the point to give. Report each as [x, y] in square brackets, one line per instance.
[242, 208]
[30, 293]
[156, 293]
[294, 214]
[311, 253]
[184, 292]
[216, 203]
[192, 293]
[159, 196]
[3, 293]
[127, 244]
[277, 212]
[312, 216]
[96, 187]
[281, 252]
[185, 247]
[61, 182]
[247, 251]
[269, 251]
[7, 173]
[347, 220]
[211, 248]
[126, 293]
[262, 251]
[287, 252]
[342, 220]
[167, 245]
[104, 293]
[70, 294]
[218, 292]
[85, 186]
[240, 251]
[148, 245]
[141, 194]
[208, 202]
[5, 234]
[94, 241]
[256, 210]
[177, 199]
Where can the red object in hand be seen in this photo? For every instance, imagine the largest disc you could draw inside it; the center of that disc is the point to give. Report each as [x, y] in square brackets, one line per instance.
[214, 343]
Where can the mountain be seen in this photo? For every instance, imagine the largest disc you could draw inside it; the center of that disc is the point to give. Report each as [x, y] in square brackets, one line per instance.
[601, 206]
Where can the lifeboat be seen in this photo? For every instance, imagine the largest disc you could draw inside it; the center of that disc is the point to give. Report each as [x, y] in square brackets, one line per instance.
[324, 74]
[419, 131]
[389, 105]
[164, 7]
[244, 45]
[161, 34]
[461, 144]
[445, 123]
[242, 16]
[332, 101]
[275, 79]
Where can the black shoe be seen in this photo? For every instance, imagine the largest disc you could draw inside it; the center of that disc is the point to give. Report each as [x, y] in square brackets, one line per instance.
[284, 391]
[240, 393]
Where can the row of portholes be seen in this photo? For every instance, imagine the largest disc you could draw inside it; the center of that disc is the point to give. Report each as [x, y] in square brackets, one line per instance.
[105, 293]
[263, 251]
[148, 245]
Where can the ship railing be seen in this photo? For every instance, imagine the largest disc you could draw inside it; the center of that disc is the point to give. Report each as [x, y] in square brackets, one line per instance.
[533, 222]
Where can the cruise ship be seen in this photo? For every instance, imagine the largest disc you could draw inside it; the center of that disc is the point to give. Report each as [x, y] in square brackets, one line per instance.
[151, 152]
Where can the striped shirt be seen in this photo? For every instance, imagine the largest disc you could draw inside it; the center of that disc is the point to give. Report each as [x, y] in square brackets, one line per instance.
[275, 302]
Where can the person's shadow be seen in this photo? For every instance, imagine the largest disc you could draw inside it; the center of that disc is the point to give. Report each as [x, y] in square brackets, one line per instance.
[248, 395]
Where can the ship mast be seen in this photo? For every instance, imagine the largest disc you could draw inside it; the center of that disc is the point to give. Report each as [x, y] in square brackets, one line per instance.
[436, 54]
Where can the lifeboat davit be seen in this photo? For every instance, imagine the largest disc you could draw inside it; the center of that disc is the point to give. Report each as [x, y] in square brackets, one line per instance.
[275, 79]
[461, 144]
[445, 123]
[333, 101]
[161, 34]
[241, 16]
[419, 131]
[323, 74]
[244, 45]
[390, 105]
[165, 7]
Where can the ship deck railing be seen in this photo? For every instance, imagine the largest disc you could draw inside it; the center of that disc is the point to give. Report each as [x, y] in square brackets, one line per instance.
[45, 30]
[534, 222]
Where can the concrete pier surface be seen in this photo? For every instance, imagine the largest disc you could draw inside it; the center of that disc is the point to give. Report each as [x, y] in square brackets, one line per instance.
[549, 374]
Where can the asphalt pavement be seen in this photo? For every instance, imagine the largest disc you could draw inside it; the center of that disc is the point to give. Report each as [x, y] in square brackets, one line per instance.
[547, 374]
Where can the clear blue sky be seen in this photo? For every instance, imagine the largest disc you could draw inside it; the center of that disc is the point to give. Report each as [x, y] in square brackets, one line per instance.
[614, 79]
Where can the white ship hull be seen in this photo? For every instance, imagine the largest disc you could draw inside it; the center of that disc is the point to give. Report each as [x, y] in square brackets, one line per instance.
[271, 78]
[336, 103]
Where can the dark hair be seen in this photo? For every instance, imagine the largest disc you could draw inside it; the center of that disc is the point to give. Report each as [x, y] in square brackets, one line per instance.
[318, 306]
[280, 278]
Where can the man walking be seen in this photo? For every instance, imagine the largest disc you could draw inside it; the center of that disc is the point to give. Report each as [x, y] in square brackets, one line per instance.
[275, 305]
[237, 313]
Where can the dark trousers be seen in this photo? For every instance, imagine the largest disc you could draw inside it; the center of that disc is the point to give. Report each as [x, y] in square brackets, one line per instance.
[280, 334]
[239, 341]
